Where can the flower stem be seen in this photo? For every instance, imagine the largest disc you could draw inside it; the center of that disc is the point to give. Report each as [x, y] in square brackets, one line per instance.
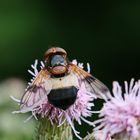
[124, 136]
[47, 131]
[89, 137]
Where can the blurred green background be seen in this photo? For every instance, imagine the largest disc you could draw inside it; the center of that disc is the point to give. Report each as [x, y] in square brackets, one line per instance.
[104, 33]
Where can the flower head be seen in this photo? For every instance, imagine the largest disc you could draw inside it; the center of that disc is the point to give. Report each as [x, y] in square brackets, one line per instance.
[78, 111]
[120, 116]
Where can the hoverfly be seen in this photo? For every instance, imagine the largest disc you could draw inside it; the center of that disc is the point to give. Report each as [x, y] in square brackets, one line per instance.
[59, 81]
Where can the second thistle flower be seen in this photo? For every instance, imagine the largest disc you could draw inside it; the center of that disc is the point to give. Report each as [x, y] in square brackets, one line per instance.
[120, 116]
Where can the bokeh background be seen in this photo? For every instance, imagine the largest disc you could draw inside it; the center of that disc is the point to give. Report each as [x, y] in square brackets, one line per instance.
[104, 33]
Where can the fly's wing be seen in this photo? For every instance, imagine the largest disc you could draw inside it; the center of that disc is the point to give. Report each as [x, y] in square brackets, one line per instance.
[92, 84]
[34, 94]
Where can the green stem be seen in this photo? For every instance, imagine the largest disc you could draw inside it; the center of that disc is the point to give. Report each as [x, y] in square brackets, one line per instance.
[47, 131]
[89, 137]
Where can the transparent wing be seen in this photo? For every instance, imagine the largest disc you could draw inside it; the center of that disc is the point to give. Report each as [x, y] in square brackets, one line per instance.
[92, 84]
[34, 94]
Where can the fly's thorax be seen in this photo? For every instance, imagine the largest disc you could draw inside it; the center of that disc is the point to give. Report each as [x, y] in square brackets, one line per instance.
[58, 70]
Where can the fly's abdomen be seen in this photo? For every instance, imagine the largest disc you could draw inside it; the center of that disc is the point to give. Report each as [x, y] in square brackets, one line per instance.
[63, 98]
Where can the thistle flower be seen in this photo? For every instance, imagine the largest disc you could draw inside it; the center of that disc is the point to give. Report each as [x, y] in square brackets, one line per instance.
[80, 110]
[120, 116]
